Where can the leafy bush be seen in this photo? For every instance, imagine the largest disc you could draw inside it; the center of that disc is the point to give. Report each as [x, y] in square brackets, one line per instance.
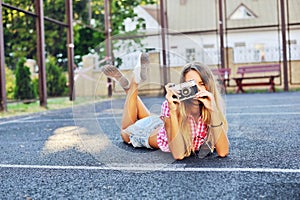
[35, 83]
[24, 88]
[10, 83]
[56, 79]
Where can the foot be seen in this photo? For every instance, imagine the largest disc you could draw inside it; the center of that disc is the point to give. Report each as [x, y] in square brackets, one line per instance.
[114, 73]
[140, 70]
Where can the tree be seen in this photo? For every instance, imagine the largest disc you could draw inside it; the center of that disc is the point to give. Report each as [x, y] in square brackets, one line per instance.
[56, 79]
[89, 32]
[20, 33]
[24, 88]
[10, 83]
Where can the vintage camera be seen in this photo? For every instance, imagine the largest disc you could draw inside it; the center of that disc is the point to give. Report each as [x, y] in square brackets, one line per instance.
[186, 90]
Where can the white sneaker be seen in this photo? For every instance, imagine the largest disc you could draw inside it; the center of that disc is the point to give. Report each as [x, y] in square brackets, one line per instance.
[140, 70]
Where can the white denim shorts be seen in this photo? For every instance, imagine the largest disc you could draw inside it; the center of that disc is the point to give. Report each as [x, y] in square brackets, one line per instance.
[141, 130]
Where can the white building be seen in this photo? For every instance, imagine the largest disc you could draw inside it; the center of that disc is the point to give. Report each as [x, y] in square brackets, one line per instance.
[252, 28]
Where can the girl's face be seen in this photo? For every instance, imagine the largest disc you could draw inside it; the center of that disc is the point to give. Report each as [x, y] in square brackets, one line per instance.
[193, 75]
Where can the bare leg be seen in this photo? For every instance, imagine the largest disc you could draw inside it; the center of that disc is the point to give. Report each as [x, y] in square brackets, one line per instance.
[114, 73]
[143, 64]
[134, 108]
[153, 139]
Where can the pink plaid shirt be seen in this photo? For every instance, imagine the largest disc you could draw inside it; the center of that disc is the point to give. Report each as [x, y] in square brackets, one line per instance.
[198, 130]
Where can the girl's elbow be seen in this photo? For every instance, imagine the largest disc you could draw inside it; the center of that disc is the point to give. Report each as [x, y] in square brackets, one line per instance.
[223, 153]
[178, 157]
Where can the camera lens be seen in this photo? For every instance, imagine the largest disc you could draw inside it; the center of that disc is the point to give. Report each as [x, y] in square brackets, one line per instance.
[186, 91]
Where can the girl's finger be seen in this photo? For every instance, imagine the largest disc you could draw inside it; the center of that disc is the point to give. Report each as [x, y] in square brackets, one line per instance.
[169, 85]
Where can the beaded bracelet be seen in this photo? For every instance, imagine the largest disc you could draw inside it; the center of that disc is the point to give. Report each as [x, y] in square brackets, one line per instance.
[215, 126]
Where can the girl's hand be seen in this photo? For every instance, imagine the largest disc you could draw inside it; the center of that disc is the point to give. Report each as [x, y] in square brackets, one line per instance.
[207, 99]
[171, 97]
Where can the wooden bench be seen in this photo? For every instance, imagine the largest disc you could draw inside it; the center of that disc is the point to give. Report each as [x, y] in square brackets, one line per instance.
[260, 72]
[223, 75]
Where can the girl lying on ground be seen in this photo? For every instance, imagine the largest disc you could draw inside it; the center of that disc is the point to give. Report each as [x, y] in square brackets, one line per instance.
[184, 127]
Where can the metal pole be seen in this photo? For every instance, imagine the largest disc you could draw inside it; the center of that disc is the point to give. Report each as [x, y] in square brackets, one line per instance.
[284, 51]
[108, 40]
[3, 106]
[41, 52]
[70, 47]
[163, 40]
[221, 34]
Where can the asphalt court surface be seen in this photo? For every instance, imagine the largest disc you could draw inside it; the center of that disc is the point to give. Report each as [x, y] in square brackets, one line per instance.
[77, 153]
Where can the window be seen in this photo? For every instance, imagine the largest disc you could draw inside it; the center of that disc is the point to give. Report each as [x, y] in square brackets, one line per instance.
[239, 44]
[291, 42]
[208, 46]
[242, 12]
[190, 55]
[260, 51]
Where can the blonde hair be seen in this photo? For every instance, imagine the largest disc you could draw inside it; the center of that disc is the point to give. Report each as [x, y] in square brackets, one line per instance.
[212, 86]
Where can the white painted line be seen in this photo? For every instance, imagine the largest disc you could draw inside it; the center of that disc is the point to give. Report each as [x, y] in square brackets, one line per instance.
[153, 167]
[17, 120]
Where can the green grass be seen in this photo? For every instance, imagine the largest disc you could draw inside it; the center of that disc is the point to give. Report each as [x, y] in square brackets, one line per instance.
[20, 108]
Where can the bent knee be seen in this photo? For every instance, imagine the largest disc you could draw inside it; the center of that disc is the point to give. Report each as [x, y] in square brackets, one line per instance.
[125, 137]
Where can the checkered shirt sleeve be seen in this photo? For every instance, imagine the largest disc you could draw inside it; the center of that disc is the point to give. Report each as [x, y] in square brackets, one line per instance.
[165, 110]
[162, 139]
